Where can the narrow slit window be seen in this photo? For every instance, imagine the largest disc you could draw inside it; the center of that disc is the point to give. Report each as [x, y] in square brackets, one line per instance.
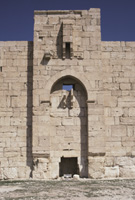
[0, 69]
[40, 38]
[68, 50]
[67, 87]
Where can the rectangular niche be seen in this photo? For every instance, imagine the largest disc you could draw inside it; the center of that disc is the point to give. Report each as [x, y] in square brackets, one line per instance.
[67, 53]
[67, 41]
[68, 166]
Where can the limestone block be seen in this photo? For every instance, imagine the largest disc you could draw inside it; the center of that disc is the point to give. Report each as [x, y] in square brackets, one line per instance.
[76, 177]
[96, 159]
[76, 112]
[22, 172]
[57, 140]
[129, 142]
[86, 55]
[54, 170]
[125, 86]
[129, 74]
[95, 133]
[68, 121]
[109, 161]
[110, 101]
[109, 121]
[116, 151]
[126, 103]
[44, 141]
[57, 121]
[105, 55]
[116, 111]
[127, 120]
[133, 85]
[95, 110]
[118, 131]
[53, 131]
[96, 170]
[18, 121]
[41, 168]
[9, 173]
[130, 131]
[123, 81]
[116, 121]
[41, 130]
[36, 101]
[114, 144]
[59, 112]
[112, 172]
[124, 161]
[111, 86]
[3, 102]
[19, 101]
[42, 119]
[131, 112]
[93, 118]
[5, 121]
[127, 171]
[97, 150]
[1, 152]
[54, 20]
[113, 139]
[130, 55]
[55, 101]
[95, 55]
[96, 141]
[4, 162]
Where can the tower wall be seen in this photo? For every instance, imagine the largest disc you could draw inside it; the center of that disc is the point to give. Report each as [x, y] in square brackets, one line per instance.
[45, 127]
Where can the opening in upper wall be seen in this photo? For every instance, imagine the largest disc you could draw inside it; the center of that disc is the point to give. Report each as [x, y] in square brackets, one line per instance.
[67, 50]
[67, 87]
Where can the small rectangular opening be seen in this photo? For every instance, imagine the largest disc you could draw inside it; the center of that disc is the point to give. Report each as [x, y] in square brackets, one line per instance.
[67, 87]
[40, 38]
[0, 68]
[68, 50]
[68, 166]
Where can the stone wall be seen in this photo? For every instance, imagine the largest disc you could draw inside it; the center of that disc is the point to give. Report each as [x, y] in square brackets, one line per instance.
[42, 124]
[119, 101]
[105, 69]
[15, 109]
[52, 30]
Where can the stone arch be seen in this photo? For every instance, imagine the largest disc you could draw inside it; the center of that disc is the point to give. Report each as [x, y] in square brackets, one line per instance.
[69, 72]
[68, 116]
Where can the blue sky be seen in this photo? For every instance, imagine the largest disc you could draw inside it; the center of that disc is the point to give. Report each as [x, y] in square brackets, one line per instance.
[117, 17]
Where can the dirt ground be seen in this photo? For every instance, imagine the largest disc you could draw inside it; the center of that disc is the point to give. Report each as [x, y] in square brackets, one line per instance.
[82, 189]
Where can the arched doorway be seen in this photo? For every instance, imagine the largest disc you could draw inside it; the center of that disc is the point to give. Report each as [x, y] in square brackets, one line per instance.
[68, 117]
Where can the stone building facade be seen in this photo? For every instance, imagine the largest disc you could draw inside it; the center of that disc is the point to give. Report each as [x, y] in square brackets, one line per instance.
[67, 101]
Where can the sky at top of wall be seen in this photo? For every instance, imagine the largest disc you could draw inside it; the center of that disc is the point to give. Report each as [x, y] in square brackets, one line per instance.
[117, 17]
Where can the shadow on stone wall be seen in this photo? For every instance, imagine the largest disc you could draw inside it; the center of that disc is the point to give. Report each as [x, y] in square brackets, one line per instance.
[29, 105]
[59, 42]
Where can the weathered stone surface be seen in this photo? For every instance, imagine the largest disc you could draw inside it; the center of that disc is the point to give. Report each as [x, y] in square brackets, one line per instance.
[91, 124]
[112, 172]
[127, 171]
[9, 173]
[76, 177]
